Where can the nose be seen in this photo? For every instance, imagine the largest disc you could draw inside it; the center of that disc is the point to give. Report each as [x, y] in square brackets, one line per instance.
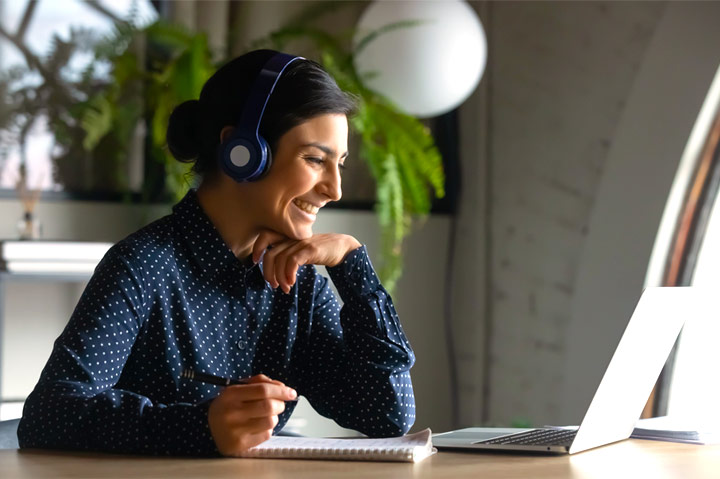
[330, 186]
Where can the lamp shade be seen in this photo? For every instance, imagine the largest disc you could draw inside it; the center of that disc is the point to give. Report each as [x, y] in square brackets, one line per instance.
[427, 68]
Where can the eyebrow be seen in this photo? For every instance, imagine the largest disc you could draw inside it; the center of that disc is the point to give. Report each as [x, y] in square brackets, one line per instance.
[325, 149]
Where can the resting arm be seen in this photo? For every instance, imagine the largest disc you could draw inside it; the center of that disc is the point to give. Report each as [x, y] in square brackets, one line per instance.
[356, 362]
[76, 404]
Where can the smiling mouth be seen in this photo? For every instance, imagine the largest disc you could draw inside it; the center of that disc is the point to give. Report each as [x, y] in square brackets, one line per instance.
[306, 207]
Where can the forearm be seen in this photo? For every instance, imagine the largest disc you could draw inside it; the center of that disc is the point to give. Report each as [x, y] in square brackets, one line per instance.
[371, 328]
[366, 382]
[65, 416]
[373, 402]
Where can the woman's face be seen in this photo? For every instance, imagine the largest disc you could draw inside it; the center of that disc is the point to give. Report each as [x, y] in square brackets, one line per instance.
[304, 176]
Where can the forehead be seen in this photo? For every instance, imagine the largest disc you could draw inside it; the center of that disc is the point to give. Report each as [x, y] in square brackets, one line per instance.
[331, 129]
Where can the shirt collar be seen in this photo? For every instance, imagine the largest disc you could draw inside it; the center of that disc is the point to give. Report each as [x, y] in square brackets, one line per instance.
[205, 245]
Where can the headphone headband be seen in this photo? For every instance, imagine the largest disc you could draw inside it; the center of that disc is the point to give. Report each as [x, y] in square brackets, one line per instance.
[246, 155]
[262, 89]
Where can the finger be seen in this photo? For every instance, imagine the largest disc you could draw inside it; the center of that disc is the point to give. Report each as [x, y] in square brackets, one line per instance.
[289, 265]
[261, 390]
[265, 239]
[261, 424]
[280, 266]
[263, 408]
[252, 440]
[296, 259]
[238, 416]
[261, 378]
[269, 263]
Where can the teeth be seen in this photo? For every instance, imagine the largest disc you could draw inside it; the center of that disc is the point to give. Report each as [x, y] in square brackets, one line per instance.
[306, 207]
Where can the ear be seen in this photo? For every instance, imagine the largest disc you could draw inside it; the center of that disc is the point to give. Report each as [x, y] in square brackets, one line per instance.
[225, 133]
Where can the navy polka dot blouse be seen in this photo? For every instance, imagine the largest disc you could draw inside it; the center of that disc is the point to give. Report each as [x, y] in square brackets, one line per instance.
[173, 296]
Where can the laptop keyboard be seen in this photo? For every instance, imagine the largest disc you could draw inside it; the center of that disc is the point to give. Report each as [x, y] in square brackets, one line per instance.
[536, 437]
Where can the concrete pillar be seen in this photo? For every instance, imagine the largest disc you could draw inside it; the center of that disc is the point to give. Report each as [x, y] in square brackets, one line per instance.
[213, 19]
[182, 12]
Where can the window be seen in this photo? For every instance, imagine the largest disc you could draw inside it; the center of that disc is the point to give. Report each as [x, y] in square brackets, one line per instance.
[694, 388]
[687, 253]
[28, 30]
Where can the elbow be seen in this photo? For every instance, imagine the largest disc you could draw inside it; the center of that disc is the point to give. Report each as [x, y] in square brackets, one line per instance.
[26, 436]
[407, 361]
[400, 363]
[399, 421]
[399, 425]
[410, 361]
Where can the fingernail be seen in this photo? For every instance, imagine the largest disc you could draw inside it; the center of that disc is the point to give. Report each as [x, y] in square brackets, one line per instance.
[293, 394]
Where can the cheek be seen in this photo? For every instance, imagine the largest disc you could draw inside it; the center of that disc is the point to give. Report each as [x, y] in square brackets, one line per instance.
[285, 184]
[297, 182]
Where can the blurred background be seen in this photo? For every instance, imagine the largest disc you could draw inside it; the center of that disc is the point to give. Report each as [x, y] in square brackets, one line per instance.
[574, 163]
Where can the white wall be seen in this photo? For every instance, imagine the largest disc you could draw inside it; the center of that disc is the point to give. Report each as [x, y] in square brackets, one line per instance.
[36, 312]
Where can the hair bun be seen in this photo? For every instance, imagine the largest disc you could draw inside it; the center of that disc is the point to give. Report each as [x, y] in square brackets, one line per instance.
[183, 131]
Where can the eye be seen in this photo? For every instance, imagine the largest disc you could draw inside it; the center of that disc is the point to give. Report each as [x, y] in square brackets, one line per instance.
[315, 159]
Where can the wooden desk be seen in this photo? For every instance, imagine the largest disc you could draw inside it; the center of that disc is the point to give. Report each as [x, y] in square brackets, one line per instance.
[627, 459]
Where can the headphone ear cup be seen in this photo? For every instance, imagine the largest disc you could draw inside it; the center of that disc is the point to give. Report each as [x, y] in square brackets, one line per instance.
[239, 155]
[246, 156]
[265, 159]
[241, 159]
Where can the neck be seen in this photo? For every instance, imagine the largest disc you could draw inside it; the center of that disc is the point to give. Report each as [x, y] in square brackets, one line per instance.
[223, 204]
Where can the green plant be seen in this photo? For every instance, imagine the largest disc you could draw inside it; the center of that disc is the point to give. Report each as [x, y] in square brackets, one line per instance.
[171, 68]
[95, 116]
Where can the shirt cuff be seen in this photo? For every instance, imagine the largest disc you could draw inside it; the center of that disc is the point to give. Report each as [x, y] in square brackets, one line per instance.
[355, 275]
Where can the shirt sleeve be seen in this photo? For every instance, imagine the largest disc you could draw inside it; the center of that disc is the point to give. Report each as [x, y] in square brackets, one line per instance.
[356, 368]
[76, 404]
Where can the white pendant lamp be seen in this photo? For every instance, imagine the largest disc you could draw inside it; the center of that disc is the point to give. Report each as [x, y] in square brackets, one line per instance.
[425, 69]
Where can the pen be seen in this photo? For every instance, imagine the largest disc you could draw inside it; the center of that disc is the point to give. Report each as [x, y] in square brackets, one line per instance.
[212, 379]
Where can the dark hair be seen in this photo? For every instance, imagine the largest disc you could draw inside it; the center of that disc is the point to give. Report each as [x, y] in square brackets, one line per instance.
[304, 90]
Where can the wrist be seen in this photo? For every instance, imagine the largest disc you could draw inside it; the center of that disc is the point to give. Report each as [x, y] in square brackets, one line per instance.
[352, 245]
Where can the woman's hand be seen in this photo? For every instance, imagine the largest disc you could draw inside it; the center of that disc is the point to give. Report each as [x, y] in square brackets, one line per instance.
[244, 416]
[284, 256]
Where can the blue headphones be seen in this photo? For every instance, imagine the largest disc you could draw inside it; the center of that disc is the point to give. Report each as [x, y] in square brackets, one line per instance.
[245, 156]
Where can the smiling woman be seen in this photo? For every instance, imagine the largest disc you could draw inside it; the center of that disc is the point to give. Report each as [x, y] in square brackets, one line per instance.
[227, 285]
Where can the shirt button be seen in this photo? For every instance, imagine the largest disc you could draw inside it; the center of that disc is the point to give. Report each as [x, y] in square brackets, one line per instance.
[241, 344]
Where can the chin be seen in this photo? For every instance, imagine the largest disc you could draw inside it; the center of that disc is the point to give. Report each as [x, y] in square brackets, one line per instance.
[299, 233]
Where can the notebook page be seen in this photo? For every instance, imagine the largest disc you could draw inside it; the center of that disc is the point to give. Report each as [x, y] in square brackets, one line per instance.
[412, 448]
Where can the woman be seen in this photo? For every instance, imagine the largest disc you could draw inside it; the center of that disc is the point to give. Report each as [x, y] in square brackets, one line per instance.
[226, 285]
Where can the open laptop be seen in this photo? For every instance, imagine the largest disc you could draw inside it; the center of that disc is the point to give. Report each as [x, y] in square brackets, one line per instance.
[623, 391]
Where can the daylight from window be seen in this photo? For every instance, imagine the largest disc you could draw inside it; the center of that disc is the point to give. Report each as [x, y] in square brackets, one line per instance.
[695, 390]
[50, 18]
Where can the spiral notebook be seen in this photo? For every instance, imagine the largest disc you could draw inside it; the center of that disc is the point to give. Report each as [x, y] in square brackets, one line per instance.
[410, 448]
